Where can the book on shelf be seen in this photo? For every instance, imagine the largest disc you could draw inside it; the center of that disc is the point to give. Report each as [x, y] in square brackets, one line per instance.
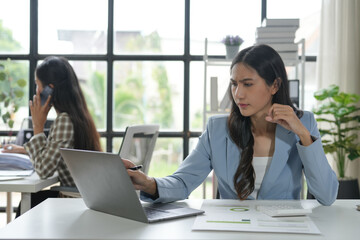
[275, 34]
[281, 22]
[225, 103]
[284, 47]
[274, 40]
[214, 94]
[276, 29]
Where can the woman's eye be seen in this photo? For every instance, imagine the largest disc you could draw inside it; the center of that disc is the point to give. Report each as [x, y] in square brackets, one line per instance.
[247, 84]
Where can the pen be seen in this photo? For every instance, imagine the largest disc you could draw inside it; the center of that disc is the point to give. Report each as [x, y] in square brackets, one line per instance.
[136, 167]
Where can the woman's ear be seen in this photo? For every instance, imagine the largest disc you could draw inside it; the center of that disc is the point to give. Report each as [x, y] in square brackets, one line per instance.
[276, 85]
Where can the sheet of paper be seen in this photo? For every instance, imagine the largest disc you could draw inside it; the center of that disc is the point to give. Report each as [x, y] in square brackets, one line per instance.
[15, 161]
[230, 215]
[9, 178]
[17, 155]
[14, 173]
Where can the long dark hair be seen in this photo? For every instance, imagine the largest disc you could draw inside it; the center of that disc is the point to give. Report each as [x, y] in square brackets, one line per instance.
[269, 66]
[68, 97]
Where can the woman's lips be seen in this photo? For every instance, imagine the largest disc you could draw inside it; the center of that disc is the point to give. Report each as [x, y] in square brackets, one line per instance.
[242, 105]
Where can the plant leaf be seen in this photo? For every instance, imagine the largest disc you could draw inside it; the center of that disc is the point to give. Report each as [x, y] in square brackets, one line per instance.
[2, 76]
[19, 93]
[7, 102]
[21, 82]
[2, 97]
[329, 92]
[11, 123]
[6, 117]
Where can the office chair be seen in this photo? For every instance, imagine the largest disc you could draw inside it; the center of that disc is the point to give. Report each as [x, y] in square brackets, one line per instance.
[294, 91]
[138, 144]
[26, 130]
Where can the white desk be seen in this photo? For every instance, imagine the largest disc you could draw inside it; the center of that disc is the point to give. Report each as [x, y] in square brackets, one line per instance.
[70, 219]
[26, 186]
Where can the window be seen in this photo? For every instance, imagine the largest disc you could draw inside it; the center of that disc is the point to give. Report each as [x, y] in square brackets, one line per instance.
[144, 27]
[148, 92]
[14, 28]
[216, 19]
[16, 70]
[72, 27]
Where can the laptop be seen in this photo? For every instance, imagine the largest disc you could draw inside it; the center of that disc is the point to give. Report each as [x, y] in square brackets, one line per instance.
[105, 186]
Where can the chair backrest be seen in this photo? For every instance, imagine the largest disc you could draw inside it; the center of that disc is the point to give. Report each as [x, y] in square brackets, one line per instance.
[26, 130]
[294, 92]
[139, 143]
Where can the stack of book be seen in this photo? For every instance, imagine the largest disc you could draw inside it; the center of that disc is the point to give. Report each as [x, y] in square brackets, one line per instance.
[280, 35]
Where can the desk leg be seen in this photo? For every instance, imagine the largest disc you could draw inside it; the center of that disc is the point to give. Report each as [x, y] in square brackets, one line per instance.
[9, 208]
[25, 202]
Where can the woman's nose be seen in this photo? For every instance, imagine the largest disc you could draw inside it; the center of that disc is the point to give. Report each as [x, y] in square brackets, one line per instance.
[239, 91]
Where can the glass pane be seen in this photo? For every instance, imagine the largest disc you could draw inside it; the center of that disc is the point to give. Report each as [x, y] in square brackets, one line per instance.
[167, 156]
[93, 82]
[14, 73]
[82, 30]
[103, 144]
[145, 27]
[309, 19]
[116, 143]
[148, 92]
[216, 19]
[14, 28]
[196, 95]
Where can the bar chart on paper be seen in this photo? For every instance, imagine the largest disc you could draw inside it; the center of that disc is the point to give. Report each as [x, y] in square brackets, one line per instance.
[233, 215]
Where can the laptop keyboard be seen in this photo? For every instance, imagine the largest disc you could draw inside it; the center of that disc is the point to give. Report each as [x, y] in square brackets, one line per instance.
[153, 212]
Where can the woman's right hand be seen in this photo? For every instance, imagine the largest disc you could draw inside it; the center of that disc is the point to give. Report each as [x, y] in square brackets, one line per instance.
[140, 180]
[13, 148]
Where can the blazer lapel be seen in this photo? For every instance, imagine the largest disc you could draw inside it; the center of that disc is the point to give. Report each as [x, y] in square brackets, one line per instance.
[284, 140]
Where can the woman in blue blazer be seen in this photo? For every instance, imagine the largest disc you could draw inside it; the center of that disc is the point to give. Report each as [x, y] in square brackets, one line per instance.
[260, 150]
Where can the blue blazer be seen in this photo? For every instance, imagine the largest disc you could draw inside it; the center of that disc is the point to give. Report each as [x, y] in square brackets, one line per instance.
[216, 151]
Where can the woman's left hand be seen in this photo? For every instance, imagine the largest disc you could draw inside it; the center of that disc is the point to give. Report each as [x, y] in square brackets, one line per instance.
[39, 113]
[286, 117]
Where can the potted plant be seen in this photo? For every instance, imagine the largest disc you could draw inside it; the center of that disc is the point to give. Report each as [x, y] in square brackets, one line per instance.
[232, 44]
[342, 112]
[11, 94]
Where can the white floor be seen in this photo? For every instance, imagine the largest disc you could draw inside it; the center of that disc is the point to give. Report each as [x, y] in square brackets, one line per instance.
[15, 202]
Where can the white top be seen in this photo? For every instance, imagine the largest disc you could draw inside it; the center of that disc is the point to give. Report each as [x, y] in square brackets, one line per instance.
[261, 165]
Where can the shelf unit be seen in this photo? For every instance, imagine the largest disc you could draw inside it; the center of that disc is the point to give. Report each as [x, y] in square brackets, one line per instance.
[298, 63]
[208, 62]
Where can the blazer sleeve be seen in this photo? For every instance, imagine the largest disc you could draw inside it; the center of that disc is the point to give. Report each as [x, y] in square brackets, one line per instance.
[321, 179]
[191, 173]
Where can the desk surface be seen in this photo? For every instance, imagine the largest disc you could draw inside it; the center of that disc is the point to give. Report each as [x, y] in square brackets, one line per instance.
[71, 219]
[29, 184]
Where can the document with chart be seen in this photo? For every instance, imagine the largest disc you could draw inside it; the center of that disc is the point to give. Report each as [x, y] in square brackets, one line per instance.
[234, 215]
